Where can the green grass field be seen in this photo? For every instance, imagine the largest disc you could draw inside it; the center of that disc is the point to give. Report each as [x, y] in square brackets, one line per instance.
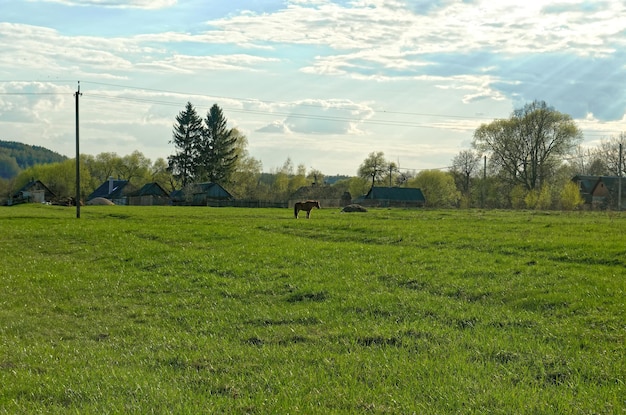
[225, 310]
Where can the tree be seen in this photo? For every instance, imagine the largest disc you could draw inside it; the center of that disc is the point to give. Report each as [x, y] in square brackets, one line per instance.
[528, 146]
[316, 177]
[186, 136]
[391, 174]
[374, 167]
[608, 154]
[299, 179]
[217, 150]
[160, 174]
[135, 168]
[539, 199]
[438, 188]
[59, 177]
[464, 167]
[570, 197]
[244, 180]
[8, 166]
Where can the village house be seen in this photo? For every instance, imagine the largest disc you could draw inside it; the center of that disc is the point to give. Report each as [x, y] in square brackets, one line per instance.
[114, 190]
[201, 194]
[151, 194]
[393, 197]
[32, 192]
[601, 192]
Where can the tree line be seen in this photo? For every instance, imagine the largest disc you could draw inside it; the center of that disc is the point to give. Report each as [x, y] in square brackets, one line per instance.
[15, 157]
[524, 161]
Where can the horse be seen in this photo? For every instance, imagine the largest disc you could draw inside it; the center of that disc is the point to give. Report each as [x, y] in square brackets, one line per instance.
[306, 206]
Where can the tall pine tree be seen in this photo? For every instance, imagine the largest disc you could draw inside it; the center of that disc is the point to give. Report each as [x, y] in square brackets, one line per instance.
[186, 136]
[218, 152]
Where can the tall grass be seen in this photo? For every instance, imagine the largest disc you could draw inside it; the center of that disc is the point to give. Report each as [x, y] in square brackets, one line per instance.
[225, 310]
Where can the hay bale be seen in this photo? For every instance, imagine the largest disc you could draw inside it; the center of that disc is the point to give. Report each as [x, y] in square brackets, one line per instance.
[100, 201]
[354, 208]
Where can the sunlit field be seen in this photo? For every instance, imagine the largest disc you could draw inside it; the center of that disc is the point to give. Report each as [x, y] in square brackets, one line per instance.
[226, 310]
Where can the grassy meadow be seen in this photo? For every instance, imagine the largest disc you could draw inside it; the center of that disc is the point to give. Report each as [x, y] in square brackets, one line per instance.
[137, 310]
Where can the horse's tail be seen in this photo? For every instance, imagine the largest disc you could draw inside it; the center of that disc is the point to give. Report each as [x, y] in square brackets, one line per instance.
[295, 210]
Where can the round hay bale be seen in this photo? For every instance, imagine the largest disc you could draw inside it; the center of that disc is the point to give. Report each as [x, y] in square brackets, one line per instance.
[354, 208]
[100, 201]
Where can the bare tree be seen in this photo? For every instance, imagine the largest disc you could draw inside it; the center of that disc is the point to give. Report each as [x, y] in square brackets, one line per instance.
[464, 166]
[608, 153]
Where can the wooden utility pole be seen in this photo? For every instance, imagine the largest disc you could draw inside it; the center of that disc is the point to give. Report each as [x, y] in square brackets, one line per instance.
[77, 201]
[483, 187]
[619, 181]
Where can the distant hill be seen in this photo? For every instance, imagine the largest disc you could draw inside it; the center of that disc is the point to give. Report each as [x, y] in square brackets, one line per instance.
[15, 157]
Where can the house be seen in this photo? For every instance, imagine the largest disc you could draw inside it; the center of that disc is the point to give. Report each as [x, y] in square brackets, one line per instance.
[33, 192]
[114, 190]
[151, 194]
[328, 196]
[200, 194]
[393, 196]
[601, 192]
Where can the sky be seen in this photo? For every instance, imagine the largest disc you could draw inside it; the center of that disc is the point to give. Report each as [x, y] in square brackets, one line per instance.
[322, 83]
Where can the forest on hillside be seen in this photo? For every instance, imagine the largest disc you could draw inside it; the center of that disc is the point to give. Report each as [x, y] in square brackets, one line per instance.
[15, 157]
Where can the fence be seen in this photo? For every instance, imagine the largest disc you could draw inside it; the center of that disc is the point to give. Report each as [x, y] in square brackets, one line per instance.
[325, 203]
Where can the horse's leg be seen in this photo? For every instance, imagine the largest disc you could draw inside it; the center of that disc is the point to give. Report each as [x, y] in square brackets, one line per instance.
[308, 213]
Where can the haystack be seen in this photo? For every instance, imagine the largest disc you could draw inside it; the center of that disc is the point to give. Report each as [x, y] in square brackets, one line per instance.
[354, 208]
[100, 201]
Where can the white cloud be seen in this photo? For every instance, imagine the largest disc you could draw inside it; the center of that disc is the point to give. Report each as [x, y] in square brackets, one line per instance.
[317, 71]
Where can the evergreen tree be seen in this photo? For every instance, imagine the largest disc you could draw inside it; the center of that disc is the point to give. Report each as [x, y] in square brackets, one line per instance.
[186, 137]
[217, 149]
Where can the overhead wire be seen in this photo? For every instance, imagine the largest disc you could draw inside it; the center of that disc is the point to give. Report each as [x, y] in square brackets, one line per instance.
[337, 105]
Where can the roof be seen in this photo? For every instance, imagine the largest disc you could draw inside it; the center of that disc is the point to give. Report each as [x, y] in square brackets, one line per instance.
[151, 189]
[212, 190]
[117, 187]
[201, 192]
[404, 194]
[587, 183]
[34, 184]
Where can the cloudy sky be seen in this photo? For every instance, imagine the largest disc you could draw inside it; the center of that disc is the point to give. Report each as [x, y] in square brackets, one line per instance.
[321, 82]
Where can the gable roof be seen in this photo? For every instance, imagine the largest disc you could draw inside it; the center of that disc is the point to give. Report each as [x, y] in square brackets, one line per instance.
[586, 183]
[211, 189]
[110, 189]
[403, 194]
[610, 182]
[199, 193]
[34, 185]
[600, 189]
[151, 189]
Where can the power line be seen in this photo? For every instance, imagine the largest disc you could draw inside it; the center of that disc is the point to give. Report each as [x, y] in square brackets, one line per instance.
[274, 102]
[35, 93]
[397, 123]
[283, 114]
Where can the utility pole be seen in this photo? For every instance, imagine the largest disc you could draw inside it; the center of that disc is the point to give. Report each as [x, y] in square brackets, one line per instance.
[619, 181]
[482, 190]
[77, 94]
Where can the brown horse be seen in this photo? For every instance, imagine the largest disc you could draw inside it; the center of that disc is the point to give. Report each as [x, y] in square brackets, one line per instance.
[306, 206]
